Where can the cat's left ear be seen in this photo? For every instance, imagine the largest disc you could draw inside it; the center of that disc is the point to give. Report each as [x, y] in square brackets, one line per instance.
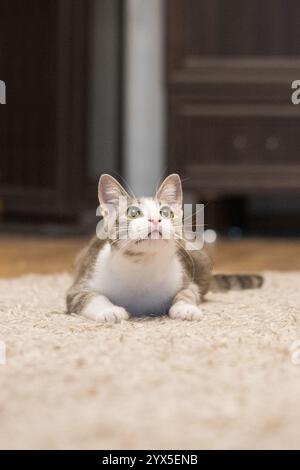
[111, 193]
[170, 190]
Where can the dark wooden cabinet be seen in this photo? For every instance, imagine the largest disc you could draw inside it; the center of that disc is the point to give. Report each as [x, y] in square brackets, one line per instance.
[232, 127]
[42, 125]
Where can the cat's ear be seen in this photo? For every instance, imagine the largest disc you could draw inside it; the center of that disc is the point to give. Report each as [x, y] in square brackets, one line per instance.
[170, 190]
[110, 192]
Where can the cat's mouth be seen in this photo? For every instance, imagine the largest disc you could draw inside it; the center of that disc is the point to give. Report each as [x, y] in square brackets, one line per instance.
[152, 235]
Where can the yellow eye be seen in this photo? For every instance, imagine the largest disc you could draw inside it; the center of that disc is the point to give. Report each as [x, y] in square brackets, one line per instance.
[166, 212]
[133, 212]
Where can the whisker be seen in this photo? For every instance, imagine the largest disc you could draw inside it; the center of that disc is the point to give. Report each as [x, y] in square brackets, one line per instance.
[196, 212]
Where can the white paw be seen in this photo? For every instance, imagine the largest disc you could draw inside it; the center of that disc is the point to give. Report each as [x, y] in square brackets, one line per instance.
[112, 314]
[184, 311]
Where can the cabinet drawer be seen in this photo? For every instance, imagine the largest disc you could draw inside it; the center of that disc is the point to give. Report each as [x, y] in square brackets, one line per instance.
[237, 141]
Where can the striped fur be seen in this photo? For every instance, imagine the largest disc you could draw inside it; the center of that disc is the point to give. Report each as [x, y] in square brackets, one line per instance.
[116, 278]
[226, 282]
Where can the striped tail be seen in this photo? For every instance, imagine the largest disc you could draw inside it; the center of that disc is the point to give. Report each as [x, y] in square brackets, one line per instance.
[226, 282]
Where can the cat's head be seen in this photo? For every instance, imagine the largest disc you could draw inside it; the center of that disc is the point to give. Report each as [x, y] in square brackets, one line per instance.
[146, 223]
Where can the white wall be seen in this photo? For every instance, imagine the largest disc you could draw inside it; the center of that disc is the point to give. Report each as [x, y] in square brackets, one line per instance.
[144, 103]
[103, 126]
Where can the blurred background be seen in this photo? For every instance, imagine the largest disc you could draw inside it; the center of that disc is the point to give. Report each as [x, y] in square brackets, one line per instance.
[140, 88]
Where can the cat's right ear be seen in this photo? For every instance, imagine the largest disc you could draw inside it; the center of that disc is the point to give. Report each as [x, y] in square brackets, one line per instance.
[110, 193]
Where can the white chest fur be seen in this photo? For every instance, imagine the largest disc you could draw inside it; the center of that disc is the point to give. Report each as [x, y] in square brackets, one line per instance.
[143, 287]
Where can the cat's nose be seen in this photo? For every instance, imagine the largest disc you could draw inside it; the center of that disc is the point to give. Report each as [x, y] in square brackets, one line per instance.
[154, 221]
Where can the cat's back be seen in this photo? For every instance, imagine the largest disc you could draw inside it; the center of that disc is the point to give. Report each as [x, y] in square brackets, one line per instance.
[197, 267]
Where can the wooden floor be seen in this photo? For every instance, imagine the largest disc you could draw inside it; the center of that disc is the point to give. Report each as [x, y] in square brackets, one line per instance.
[22, 255]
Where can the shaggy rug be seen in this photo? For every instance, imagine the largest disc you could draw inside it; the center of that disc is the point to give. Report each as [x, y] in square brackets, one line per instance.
[231, 381]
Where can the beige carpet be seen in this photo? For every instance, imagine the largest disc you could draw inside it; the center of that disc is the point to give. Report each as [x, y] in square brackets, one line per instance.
[226, 382]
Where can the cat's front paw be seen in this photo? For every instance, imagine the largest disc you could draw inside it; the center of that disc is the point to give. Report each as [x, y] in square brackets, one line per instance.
[112, 314]
[185, 311]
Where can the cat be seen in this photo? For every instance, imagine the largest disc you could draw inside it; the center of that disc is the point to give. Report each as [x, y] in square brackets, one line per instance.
[151, 272]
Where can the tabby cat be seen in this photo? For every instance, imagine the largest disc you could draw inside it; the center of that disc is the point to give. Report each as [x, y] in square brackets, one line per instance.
[149, 272]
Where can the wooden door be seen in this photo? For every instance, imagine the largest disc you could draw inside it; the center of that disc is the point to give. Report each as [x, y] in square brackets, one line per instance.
[42, 124]
[232, 128]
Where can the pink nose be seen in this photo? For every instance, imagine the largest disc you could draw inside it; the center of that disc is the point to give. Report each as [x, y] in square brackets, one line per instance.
[154, 221]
